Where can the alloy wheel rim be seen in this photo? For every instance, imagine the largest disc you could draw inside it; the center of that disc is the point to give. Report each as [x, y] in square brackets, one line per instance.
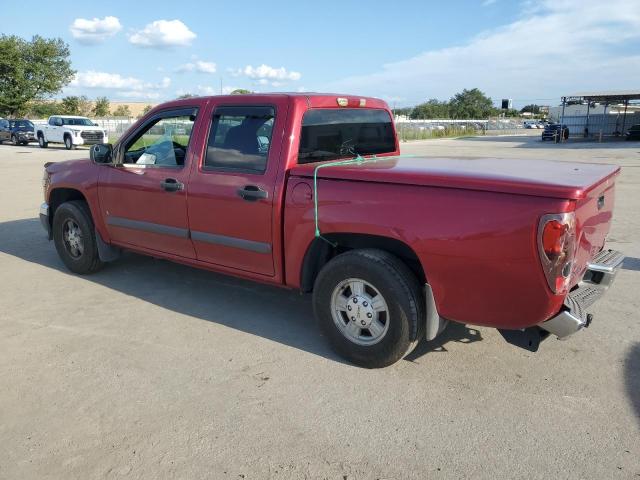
[72, 236]
[360, 311]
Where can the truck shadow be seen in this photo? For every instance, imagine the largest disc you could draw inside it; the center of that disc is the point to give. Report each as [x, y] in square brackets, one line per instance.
[455, 332]
[277, 314]
[632, 378]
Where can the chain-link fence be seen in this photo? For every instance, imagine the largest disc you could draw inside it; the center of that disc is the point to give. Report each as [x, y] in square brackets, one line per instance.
[409, 129]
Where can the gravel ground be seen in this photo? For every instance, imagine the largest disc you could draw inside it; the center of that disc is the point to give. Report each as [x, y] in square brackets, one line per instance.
[154, 370]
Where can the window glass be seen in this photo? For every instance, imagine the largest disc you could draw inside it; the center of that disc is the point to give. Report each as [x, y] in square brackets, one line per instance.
[4, 123]
[85, 122]
[52, 120]
[345, 132]
[163, 143]
[22, 124]
[240, 138]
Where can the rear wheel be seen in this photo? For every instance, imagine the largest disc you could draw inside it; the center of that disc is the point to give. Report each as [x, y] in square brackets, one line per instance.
[41, 141]
[369, 305]
[75, 238]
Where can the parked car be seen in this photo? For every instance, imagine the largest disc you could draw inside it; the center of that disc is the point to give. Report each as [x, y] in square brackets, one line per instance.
[391, 247]
[4, 130]
[633, 133]
[552, 132]
[19, 132]
[70, 130]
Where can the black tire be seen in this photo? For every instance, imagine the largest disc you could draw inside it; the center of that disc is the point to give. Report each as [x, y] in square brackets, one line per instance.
[68, 142]
[77, 211]
[401, 291]
[41, 141]
[14, 140]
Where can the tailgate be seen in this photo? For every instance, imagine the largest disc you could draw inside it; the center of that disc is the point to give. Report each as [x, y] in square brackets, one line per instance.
[594, 213]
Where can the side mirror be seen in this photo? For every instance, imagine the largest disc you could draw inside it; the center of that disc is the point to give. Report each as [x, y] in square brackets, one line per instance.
[101, 153]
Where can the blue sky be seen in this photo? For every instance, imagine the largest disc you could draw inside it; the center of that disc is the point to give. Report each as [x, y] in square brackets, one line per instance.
[403, 51]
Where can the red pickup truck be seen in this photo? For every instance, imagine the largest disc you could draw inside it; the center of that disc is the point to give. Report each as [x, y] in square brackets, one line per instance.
[392, 247]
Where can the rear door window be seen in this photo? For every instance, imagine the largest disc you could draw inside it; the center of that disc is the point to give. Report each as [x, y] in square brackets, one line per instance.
[344, 133]
[240, 139]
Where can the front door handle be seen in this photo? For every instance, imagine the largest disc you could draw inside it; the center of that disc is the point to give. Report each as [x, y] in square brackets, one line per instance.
[251, 193]
[171, 185]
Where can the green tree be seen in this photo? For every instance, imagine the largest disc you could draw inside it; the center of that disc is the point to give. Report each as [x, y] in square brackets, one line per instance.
[146, 109]
[241, 91]
[122, 111]
[74, 105]
[533, 108]
[471, 104]
[186, 95]
[44, 109]
[101, 107]
[31, 70]
[70, 105]
[431, 109]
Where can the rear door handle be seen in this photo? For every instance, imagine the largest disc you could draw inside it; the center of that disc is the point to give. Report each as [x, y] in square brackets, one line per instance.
[171, 185]
[251, 193]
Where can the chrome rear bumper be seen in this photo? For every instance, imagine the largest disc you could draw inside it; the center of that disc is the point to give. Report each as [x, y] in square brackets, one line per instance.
[600, 274]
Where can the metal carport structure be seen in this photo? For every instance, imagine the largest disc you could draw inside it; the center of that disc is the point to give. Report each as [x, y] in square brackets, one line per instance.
[603, 97]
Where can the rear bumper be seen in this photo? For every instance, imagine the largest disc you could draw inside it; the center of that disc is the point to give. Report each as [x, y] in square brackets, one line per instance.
[600, 274]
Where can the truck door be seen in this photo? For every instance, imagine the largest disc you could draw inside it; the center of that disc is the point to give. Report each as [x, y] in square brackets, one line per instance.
[143, 198]
[53, 130]
[231, 194]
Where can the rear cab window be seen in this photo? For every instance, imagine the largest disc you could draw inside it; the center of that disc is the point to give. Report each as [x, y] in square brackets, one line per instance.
[332, 133]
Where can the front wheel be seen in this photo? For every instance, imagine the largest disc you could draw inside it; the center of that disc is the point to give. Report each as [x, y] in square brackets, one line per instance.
[74, 237]
[369, 304]
[68, 143]
[14, 140]
[41, 141]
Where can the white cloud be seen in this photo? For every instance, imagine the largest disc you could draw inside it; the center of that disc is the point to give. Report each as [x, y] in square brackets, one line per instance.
[265, 72]
[487, 3]
[207, 90]
[96, 30]
[199, 66]
[130, 87]
[550, 51]
[163, 33]
[228, 90]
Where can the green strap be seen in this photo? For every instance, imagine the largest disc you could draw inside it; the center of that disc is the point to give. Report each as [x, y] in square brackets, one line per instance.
[358, 160]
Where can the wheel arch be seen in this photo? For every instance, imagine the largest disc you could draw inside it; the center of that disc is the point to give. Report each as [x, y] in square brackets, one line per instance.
[321, 250]
[60, 195]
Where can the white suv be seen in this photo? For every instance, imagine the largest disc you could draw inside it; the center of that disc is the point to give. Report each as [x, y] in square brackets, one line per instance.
[70, 130]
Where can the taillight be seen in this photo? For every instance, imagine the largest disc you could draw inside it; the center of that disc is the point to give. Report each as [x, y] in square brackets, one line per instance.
[557, 247]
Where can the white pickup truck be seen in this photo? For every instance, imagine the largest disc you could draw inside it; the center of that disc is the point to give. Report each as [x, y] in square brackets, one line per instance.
[70, 130]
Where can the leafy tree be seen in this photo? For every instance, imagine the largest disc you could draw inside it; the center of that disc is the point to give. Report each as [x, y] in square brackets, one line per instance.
[44, 109]
[186, 95]
[146, 109]
[533, 108]
[70, 105]
[31, 70]
[471, 104]
[431, 109]
[101, 107]
[122, 111]
[241, 91]
[73, 105]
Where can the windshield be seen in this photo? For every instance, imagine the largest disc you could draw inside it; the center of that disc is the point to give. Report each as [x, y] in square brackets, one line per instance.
[84, 122]
[329, 134]
[21, 124]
